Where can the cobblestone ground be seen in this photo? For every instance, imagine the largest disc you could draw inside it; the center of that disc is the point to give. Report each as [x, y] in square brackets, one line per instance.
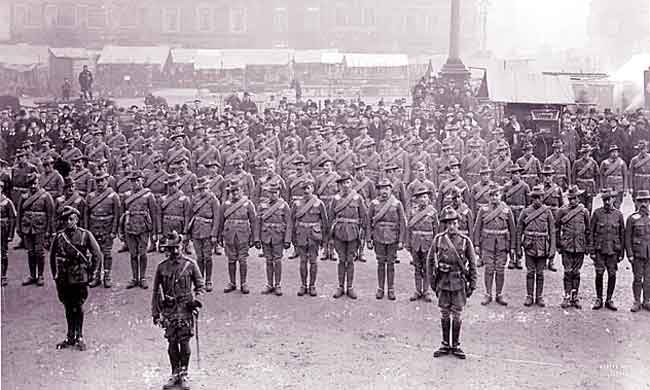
[290, 342]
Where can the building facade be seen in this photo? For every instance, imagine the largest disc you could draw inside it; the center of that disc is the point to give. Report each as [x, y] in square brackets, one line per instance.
[407, 26]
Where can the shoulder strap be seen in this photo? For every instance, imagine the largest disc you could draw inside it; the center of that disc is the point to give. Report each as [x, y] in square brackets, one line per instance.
[569, 216]
[235, 206]
[384, 209]
[345, 202]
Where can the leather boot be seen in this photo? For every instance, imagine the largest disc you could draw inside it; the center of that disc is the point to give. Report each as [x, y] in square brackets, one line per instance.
[444, 345]
[598, 304]
[341, 274]
[566, 302]
[269, 278]
[611, 285]
[277, 275]
[302, 290]
[390, 279]
[518, 264]
[417, 294]
[332, 252]
[243, 272]
[529, 301]
[232, 274]
[313, 273]
[303, 276]
[349, 272]
[152, 246]
[499, 279]
[530, 284]
[381, 279]
[294, 254]
[208, 274]
[108, 282]
[486, 300]
[575, 300]
[636, 306]
[599, 291]
[123, 248]
[551, 265]
[183, 383]
[539, 285]
[455, 345]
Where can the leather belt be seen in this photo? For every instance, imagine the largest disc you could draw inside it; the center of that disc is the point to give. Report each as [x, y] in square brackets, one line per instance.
[34, 212]
[347, 220]
[273, 224]
[642, 174]
[386, 223]
[516, 207]
[137, 212]
[587, 180]
[203, 218]
[495, 231]
[422, 233]
[308, 224]
[101, 217]
[173, 217]
[536, 234]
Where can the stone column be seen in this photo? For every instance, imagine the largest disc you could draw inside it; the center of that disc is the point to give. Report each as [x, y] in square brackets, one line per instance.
[454, 69]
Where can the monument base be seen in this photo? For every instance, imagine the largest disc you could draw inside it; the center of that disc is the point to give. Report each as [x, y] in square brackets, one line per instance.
[454, 70]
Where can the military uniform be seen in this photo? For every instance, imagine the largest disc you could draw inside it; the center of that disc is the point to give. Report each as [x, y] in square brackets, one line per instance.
[173, 306]
[326, 189]
[494, 234]
[448, 186]
[102, 220]
[274, 232]
[177, 152]
[310, 224]
[387, 228]
[471, 165]
[202, 156]
[479, 193]
[74, 199]
[367, 155]
[613, 174]
[531, 165]
[52, 182]
[561, 165]
[75, 258]
[35, 225]
[639, 170]
[607, 229]
[536, 234]
[245, 179]
[421, 227]
[348, 216]
[500, 167]
[237, 219]
[139, 220]
[516, 196]
[637, 247]
[586, 175]
[296, 181]
[451, 263]
[20, 177]
[7, 230]
[175, 210]
[573, 241]
[202, 229]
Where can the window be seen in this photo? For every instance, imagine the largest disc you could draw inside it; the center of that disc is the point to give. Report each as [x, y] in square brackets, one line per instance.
[280, 20]
[65, 16]
[171, 20]
[312, 18]
[368, 17]
[204, 19]
[96, 17]
[221, 20]
[341, 16]
[27, 15]
[237, 20]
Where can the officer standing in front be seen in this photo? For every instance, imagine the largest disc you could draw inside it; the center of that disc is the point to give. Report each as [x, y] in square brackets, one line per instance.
[607, 228]
[75, 259]
[451, 265]
[387, 228]
[174, 307]
[536, 234]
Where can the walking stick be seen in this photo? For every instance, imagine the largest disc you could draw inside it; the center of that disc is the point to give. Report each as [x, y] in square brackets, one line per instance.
[196, 333]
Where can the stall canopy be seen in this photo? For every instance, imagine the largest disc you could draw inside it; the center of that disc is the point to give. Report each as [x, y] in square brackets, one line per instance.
[193, 56]
[371, 60]
[311, 56]
[531, 88]
[134, 55]
[278, 57]
[22, 57]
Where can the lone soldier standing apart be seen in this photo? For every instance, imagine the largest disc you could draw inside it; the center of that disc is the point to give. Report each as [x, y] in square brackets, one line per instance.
[421, 227]
[36, 226]
[7, 229]
[309, 217]
[637, 247]
[202, 228]
[536, 234]
[608, 240]
[274, 235]
[140, 219]
[348, 215]
[74, 272]
[174, 308]
[573, 241]
[451, 264]
[495, 232]
[237, 219]
[387, 234]
[102, 220]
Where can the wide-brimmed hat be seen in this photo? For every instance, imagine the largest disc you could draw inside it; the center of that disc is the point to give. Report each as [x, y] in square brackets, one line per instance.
[547, 170]
[101, 176]
[448, 214]
[307, 183]
[202, 182]
[607, 193]
[503, 146]
[485, 169]
[68, 211]
[383, 182]
[642, 195]
[557, 143]
[173, 178]
[537, 191]
[573, 191]
[360, 165]
[642, 144]
[326, 159]
[171, 240]
[494, 187]
[453, 162]
[345, 176]
[300, 160]
[136, 174]
[613, 148]
[421, 190]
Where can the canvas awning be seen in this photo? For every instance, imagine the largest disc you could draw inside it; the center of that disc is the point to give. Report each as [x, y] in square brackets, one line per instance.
[532, 88]
[373, 60]
[72, 52]
[134, 55]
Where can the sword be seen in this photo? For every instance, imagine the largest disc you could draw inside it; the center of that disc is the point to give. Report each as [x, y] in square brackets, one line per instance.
[196, 333]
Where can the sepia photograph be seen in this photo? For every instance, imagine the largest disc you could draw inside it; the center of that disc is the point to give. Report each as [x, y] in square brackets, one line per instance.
[325, 194]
